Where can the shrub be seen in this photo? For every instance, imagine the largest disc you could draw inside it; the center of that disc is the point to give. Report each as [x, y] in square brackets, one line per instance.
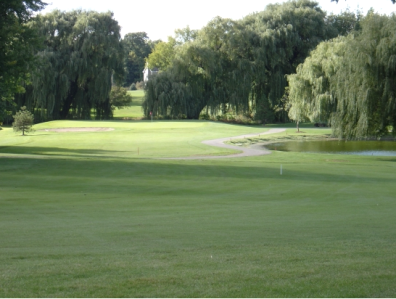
[205, 116]
[23, 121]
[139, 85]
[119, 97]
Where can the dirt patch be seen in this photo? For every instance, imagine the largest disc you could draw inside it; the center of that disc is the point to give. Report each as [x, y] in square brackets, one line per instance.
[65, 130]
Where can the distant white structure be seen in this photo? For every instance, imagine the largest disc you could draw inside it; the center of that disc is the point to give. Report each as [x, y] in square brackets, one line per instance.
[147, 73]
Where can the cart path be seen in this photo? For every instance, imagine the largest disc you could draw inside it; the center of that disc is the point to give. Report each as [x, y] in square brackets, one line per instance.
[246, 151]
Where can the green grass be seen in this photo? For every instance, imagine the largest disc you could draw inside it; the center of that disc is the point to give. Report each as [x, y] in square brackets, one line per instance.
[135, 110]
[82, 215]
[292, 125]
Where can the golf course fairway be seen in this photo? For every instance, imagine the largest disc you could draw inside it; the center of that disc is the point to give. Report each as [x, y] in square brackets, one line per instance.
[104, 214]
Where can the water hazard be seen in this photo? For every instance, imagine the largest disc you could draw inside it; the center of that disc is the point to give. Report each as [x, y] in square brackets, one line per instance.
[364, 148]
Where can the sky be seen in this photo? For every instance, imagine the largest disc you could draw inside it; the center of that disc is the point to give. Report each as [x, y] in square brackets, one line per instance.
[160, 18]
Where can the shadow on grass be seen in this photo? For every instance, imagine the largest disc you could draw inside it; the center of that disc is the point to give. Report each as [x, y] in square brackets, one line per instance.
[387, 159]
[119, 119]
[198, 171]
[53, 151]
[293, 125]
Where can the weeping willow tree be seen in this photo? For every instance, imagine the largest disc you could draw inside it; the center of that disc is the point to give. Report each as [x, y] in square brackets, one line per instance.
[350, 82]
[365, 83]
[203, 74]
[17, 44]
[82, 55]
[310, 95]
[239, 64]
[286, 34]
[180, 91]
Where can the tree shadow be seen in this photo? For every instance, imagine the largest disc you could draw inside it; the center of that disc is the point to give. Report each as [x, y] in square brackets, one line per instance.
[155, 172]
[55, 151]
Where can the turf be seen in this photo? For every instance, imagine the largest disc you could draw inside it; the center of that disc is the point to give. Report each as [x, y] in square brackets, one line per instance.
[134, 111]
[82, 215]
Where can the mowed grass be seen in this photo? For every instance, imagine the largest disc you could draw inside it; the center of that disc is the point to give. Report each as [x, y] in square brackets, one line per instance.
[82, 215]
[135, 110]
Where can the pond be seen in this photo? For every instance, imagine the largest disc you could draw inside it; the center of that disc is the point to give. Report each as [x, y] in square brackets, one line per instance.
[365, 148]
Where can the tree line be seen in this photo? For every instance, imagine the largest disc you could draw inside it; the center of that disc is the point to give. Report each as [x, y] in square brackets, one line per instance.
[291, 61]
[64, 65]
[239, 65]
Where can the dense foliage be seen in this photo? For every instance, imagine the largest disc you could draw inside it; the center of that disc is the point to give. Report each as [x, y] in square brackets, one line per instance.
[290, 61]
[83, 55]
[137, 48]
[238, 64]
[350, 81]
[119, 97]
[17, 42]
[23, 121]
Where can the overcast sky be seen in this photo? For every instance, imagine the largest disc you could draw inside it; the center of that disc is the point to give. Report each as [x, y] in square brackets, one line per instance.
[160, 18]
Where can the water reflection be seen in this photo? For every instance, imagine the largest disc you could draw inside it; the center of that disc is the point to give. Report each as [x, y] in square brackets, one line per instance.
[365, 148]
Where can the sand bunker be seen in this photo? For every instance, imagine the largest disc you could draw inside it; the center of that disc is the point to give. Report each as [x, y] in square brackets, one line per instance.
[64, 130]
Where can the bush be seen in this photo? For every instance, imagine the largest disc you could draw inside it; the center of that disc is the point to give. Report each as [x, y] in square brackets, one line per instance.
[119, 97]
[205, 116]
[139, 85]
[132, 87]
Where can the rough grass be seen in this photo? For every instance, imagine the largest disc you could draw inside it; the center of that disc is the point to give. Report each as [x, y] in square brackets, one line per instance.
[287, 135]
[82, 216]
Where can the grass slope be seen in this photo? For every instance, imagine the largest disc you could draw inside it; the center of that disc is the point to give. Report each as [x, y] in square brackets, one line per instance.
[82, 215]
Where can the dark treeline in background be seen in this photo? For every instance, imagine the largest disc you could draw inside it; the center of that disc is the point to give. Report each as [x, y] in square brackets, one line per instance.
[242, 65]
[66, 65]
[80, 57]
[137, 48]
[17, 46]
[291, 61]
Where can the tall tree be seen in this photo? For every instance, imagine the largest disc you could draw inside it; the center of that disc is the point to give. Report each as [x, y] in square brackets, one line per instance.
[286, 33]
[162, 55]
[200, 73]
[17, 43]
[82, 56]
[310, 94]
[137, 47]
[345, 22]
[242, 64]
[185, 35]
[350, 81]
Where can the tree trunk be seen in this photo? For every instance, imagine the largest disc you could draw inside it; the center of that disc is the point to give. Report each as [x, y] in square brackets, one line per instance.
[69, 100]
[298, 128]
[196, 111]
